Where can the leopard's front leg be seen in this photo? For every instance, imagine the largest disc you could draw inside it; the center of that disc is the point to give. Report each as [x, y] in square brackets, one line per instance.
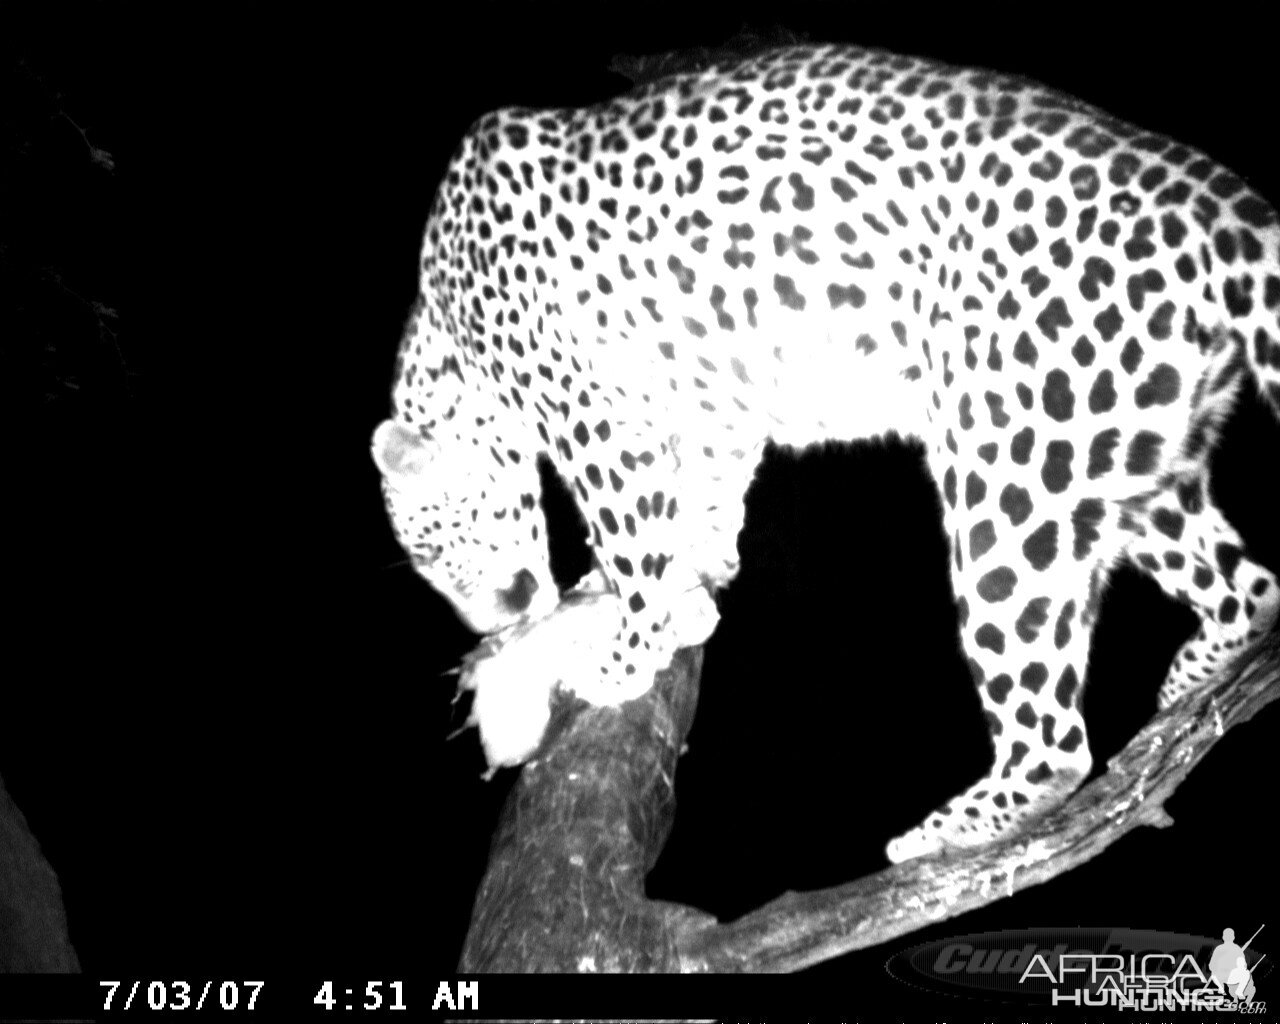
[648, 596]
[648, 551]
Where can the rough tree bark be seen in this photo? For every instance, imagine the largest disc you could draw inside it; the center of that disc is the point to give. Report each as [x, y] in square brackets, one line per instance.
[33, 923]
[564, 889]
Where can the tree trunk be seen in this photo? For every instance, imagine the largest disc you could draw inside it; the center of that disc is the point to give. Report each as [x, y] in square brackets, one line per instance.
[564, 890]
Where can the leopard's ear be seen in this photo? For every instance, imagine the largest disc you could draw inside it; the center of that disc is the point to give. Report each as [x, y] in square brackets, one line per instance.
[401, 453]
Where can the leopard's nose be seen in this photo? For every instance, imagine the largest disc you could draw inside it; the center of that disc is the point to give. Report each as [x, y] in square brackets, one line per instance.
[518, 596]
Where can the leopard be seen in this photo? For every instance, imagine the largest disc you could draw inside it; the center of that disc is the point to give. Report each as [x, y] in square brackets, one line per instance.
[830, 244]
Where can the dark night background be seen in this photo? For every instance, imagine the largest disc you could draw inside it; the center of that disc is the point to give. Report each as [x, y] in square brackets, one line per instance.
[223, 713]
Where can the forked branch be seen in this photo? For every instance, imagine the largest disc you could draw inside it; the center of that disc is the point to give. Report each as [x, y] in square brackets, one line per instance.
[564, 890]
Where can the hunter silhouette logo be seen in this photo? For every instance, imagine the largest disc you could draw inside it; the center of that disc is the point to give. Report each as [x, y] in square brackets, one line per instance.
[1228, 968]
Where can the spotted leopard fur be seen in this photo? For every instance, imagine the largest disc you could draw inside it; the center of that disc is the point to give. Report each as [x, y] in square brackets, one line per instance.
[829, 243]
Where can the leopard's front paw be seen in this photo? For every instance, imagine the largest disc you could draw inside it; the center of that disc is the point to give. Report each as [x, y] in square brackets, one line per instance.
[693, 618]
[514, 673]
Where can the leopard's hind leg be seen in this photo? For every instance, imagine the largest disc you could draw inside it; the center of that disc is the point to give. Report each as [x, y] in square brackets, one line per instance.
[1028, 570]
[1183, 542]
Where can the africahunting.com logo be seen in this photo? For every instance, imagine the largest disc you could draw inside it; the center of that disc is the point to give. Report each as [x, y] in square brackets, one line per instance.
[1120, 968]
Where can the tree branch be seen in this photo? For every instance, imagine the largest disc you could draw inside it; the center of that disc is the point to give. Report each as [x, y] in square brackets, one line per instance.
[564, 890]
